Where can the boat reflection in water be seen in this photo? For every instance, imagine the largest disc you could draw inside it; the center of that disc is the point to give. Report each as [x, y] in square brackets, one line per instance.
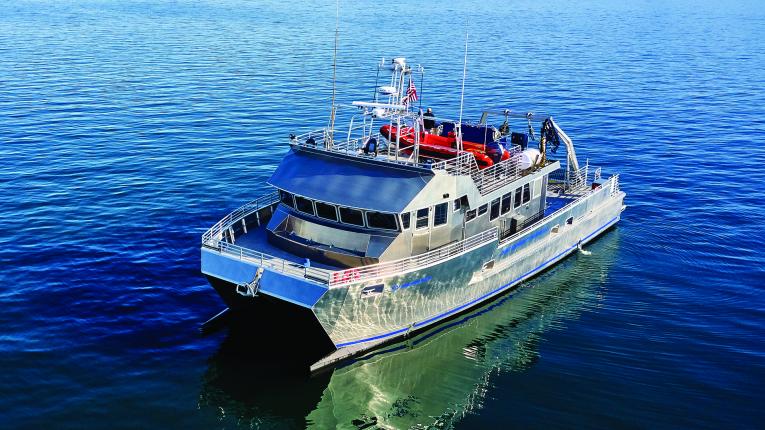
[434, 378]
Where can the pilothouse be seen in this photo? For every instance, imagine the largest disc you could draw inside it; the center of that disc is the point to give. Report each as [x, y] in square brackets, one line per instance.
[400, 218]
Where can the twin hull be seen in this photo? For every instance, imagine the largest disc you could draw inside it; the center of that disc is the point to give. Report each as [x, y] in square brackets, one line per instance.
[366, 313]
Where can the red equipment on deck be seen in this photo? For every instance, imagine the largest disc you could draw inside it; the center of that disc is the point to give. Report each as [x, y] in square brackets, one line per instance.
[440, 147]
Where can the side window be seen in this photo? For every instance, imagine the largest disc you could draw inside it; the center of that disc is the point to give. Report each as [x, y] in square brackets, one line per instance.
[351, 216]
[422, 218]
[470, 215]
[457, 204]
[507, 199]
[304, 205]
[405, 217]
[286, 198]
[526, 193]
[440, 214]
[326, 211]
[494, 214]
[382, 220]
[517, 201]
[482, 209]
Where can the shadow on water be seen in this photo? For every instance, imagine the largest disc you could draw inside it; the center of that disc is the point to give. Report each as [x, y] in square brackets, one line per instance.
[431, 379]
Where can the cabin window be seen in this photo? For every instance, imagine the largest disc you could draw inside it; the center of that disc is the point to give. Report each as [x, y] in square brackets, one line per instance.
[570, 220]
[422, 218]
[494, 209]
[470, 215]
[381, 220]
[405, 220]
[326, 211]
[517, 201]
[304, 205]
[439, 215]
[351, 216]
[526, 193]
[483, 209]
[507, 200]
[457, 204]
[286, 198]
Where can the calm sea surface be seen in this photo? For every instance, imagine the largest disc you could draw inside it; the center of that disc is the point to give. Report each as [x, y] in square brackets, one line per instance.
[128, 128]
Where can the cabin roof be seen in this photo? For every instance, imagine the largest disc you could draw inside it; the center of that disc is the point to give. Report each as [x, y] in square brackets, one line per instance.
[349, 181]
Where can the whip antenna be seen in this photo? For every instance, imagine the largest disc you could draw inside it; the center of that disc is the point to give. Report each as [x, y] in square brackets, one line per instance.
[462, 97]
[334, 77]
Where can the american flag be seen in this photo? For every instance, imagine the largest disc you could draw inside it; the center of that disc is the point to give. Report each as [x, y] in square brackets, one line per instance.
[411, 93]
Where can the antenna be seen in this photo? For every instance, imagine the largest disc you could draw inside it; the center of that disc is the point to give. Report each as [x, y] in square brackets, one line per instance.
[334, 77]
[422, 79]
[462, 98]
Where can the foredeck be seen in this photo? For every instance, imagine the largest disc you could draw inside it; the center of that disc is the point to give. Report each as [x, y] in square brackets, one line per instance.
[257, 239]
[232, 236]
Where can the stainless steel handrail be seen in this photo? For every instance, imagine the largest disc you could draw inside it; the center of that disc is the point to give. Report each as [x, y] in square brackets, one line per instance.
[216, 231]
[486, 180]
[409, 264]
[276, 264]
[214, 239]
[613, 181]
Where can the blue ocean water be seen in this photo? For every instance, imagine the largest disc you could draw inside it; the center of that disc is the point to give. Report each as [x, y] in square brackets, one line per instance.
[128, 128]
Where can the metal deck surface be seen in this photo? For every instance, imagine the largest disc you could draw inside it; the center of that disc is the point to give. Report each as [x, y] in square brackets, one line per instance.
[257, 240]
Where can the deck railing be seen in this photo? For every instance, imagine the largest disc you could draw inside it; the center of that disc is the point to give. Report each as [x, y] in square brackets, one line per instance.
[612, 182]
[487, 180]
[217, 231]
[573, 179]
[405, 265]
[216, 238]
[220, 238]
[275, 264]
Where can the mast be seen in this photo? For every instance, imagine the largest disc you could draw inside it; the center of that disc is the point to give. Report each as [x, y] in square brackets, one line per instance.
[462, 97]
[331, 135]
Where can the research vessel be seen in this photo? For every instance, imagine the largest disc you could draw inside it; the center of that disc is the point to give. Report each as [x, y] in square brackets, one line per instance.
[399, 219]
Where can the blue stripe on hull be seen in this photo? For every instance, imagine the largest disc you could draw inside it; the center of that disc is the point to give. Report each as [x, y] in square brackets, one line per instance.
[496, 291]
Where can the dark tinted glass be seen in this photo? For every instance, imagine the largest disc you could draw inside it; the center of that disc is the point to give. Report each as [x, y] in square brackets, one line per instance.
[326, 211]
[494, 209]
[506, 200]
[517, 198]
[439, 216]
[457, 204]
[351, 216]
[482, 209]
[526, 193]
[303, 205]
[405, 220]
[286, 198]
[469, 215]
[381, 220]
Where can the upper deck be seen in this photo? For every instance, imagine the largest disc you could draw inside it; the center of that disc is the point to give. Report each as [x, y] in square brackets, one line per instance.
[463, 164]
